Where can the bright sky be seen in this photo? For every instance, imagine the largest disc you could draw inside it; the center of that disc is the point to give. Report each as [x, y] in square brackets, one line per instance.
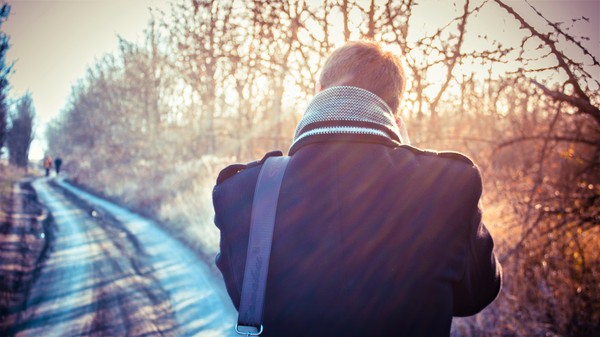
[53, 42]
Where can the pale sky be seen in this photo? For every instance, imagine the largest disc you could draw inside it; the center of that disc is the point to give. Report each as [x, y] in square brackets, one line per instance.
[53, 42]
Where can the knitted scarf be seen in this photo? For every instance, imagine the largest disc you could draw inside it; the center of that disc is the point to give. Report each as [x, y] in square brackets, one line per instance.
[348, 110]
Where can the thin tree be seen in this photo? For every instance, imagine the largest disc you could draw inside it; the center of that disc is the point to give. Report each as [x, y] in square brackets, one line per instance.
[5, 70]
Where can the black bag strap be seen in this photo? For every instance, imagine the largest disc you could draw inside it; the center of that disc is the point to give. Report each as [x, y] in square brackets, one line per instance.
[262, 223]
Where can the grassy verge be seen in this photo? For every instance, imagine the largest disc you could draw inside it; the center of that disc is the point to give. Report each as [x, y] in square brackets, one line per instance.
[8, 177]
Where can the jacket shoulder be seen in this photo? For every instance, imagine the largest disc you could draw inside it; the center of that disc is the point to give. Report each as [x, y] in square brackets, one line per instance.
[234, 169]
[455, 156]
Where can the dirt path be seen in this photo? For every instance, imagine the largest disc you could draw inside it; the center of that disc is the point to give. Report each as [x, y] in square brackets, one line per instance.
[110, 272]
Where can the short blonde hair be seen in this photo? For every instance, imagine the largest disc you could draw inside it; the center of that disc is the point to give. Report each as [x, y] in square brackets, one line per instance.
[366, 65]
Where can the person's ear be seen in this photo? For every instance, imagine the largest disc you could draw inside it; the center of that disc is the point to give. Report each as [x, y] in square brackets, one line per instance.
[317, 87]
[399, 121]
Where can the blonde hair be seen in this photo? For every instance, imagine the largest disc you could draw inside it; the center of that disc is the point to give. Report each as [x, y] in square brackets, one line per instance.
[366, 65]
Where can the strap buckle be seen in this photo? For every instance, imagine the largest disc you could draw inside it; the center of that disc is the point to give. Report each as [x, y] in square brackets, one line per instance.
[248, 330]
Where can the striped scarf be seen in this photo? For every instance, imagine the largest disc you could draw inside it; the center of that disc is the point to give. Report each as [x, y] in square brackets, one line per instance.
[348, 110]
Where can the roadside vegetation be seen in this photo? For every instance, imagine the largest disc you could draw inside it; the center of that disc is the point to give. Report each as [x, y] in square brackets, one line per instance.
[215, 83]
[16, 124]
[8, 177]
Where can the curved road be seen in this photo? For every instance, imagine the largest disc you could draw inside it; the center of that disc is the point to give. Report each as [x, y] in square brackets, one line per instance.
[113, 273]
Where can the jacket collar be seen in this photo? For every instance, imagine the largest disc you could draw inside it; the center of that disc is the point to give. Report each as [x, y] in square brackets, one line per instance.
[347, 110]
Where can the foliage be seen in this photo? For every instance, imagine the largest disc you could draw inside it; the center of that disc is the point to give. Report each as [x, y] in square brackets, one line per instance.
[4, 72]
[232, 78]
[20, 135]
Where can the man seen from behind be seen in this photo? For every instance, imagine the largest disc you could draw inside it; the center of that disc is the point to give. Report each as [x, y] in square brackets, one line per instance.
[372, 237]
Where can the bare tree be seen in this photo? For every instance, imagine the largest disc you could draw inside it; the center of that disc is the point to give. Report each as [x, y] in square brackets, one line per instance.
[202, 32]
[558, 123]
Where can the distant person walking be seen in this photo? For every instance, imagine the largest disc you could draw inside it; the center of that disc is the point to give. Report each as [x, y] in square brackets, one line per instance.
[57, 164]
[48, 165]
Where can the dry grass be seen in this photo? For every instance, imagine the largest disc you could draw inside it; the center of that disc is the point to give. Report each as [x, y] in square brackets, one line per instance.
[9, 175]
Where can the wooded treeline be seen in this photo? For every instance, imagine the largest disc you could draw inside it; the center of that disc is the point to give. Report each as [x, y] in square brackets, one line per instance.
[17, 118]
[217, 82]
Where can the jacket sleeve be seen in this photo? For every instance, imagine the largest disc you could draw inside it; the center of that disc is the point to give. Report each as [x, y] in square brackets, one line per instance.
[482, 275]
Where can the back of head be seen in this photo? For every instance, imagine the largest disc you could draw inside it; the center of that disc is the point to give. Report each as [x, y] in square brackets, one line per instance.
[366, 65]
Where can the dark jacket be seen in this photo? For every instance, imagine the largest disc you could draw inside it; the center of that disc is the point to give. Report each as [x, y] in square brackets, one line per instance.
[372, 238]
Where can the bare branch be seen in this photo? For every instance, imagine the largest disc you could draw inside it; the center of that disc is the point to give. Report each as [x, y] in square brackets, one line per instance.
[560, 57]
[583, 105]
[567, 36]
